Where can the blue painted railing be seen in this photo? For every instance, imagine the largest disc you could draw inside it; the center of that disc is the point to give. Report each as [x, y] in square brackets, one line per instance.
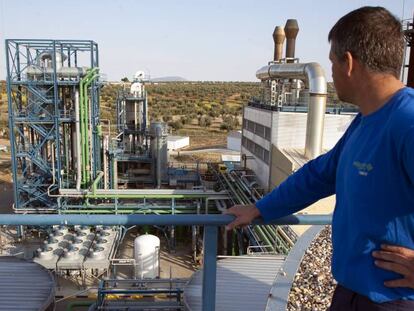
[210, 223]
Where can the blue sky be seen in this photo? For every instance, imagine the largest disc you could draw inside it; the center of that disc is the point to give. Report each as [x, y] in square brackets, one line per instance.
[198, 40]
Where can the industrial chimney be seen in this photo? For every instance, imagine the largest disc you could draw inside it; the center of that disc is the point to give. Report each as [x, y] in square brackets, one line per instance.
[278, 38]
[291, 31]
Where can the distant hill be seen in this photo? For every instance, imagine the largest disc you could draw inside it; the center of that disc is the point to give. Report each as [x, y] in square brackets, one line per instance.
[169, 79]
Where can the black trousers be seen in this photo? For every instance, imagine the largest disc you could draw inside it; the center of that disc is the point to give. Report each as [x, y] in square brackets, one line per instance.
[347, 300]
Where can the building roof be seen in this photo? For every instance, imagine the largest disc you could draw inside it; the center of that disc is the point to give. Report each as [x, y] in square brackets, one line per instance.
[176, 138]
[243, 283]
[230, 157]
[24, 285]
[235, 134]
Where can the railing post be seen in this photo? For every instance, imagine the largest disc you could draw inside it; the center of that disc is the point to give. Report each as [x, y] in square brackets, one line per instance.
[209, 268]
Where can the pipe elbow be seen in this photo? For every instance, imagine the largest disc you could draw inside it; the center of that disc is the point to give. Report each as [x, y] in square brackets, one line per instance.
[315, 78]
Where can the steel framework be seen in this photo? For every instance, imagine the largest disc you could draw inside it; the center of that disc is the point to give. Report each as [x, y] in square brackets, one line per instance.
[42, 76]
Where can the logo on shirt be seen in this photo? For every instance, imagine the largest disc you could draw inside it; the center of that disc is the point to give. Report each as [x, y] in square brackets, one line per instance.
[363, 168]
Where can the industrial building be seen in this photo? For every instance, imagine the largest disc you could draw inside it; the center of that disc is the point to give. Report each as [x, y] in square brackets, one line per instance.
[81, 191]
[276, 141]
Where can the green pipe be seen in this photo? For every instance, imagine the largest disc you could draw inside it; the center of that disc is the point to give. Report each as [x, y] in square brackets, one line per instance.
[96, 182]
[75, 304]
[127, 211]
[82, 125]
[81, 131]
[141, 196]
[83, 119]
[240, 200]
[241, 189]
[86, 134]
[131, 206]
[259, 230]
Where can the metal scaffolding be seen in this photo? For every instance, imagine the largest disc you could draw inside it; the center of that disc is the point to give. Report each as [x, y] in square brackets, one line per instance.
[43, 78]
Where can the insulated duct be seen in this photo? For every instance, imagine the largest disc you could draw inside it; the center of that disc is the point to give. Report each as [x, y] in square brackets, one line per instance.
[314, 77]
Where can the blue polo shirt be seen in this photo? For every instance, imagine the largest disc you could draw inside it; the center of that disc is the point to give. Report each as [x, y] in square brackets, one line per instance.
[371, 171]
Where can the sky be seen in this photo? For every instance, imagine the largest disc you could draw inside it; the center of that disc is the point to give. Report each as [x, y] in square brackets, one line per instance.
[215, 40]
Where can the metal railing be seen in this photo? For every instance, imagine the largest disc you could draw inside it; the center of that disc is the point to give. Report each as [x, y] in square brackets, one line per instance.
[210, 223]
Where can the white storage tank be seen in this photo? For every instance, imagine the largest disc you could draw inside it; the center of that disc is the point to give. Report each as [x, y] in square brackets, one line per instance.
[146, 254]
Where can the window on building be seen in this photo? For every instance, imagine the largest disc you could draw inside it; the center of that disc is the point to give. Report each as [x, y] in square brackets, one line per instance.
[256, 128]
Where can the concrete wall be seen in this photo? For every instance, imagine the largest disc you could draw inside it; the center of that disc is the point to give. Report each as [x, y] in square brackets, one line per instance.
[234, 143]
[260, 168]
[261, 116]
[289, 129]
[174, 143]
[280, 168]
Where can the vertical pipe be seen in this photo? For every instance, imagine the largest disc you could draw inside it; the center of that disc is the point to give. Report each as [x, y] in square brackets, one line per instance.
[56, 117]
[278, 38]
[145, 114]
[291, 31]
[115, 173]
[315, 125]
[158, 156]
[105, 160]
[209, 268]
[11, 127]
[78, 142]
[87, 119]
[82, 130]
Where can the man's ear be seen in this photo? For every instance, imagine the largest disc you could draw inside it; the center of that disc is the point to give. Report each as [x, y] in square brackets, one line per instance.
[350, 63]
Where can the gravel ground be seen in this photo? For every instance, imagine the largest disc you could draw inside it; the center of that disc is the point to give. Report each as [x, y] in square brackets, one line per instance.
[313, 286]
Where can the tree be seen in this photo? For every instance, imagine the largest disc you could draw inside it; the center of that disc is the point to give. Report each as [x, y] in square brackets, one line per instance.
[204, 121]
[176, 125]
[125, 79]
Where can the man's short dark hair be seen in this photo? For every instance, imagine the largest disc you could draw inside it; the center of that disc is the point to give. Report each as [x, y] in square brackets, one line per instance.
[373, 36]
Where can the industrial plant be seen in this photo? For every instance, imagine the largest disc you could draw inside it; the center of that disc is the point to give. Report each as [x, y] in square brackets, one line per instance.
[95, 207]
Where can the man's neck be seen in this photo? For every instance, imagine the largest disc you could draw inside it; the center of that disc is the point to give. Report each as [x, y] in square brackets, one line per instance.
[374, 92]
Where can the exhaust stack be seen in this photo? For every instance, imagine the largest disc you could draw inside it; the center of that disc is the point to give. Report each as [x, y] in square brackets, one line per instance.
[291, 31]
[278, 38]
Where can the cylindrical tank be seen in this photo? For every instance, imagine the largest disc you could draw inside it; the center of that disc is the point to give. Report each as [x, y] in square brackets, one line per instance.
[146, 254]
[45, 59]
[159, 151]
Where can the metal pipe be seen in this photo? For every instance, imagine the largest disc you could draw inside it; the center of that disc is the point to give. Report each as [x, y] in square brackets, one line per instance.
[314, 77]
[63, 72]
[96, 181]
[105, 160]
[160, 220]
[130, 211]
[158, 156]
[84, 120]
[278, 38]
[87, 118]
[78, 142]
[149, 192]
[291, 31]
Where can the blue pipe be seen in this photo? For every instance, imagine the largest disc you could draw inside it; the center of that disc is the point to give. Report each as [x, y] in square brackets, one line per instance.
[160, 220]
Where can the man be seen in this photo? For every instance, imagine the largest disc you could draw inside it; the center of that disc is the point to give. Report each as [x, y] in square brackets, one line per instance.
[371, 169]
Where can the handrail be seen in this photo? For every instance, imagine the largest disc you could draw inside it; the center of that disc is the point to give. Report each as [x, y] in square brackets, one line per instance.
[160, 220]
[210, 222]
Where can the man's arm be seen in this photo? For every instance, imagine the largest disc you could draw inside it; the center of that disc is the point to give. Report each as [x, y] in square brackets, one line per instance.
[397, 259]
[315, 180]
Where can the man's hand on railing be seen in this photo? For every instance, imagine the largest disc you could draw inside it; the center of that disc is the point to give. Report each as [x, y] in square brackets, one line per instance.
[397, 259]
[244, 215]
